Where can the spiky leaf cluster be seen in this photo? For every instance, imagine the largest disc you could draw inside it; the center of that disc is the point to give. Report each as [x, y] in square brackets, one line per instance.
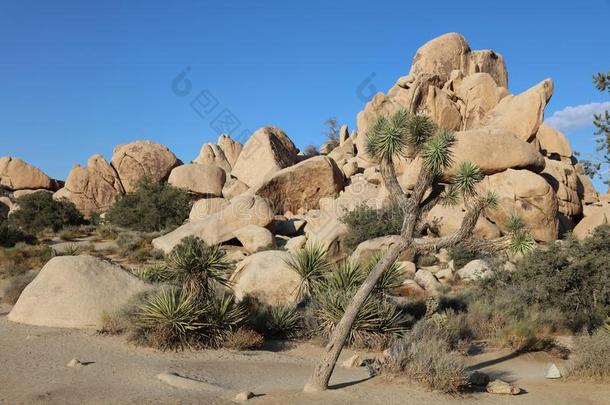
[311, 265]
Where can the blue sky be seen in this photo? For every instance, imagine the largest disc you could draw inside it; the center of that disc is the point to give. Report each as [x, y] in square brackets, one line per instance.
[80, 77]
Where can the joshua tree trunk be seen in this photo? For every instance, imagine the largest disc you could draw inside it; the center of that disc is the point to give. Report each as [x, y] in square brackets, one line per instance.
[324, 369]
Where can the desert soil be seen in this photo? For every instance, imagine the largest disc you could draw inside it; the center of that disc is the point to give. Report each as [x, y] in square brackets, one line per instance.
[33, 370]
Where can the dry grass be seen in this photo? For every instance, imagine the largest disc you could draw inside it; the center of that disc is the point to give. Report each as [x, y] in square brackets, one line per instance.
[591, 357]
[16, 287]
[244, 339]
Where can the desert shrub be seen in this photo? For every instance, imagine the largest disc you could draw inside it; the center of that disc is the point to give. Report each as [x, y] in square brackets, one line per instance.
[106, 232]
[112, 324]
[70, 233]
[244, 339]
[168, 319]
[70, 250]
[366, 223]
[171, 318]
[282, 321]
[10, 236]
[39, 211]
[15, 286]
[461, 256]
[21, 258]
[199, 267]
[426, 359]
[152, 207]
[591, 357]
[311, 265]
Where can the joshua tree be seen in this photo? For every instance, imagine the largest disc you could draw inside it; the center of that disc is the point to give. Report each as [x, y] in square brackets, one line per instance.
[400, 134]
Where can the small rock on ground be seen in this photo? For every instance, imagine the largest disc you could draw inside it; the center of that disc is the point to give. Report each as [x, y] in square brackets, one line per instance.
[502, 387]
[244, 396]
[551, 371]
[74, 363]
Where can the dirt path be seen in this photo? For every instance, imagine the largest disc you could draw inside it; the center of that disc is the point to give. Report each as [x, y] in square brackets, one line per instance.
[33, 370]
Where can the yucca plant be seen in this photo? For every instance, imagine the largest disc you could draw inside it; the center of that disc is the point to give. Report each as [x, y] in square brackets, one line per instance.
[155, 272]
[347, 276]
[311, 265]
[170, 317]
[398, 135]
[376, 318]
[70, 250]
[223, 316]
[199, 267]
[283, 321]
[391, 279]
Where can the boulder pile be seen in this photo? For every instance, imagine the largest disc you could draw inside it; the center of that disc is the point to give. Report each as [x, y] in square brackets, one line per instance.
[266, 195]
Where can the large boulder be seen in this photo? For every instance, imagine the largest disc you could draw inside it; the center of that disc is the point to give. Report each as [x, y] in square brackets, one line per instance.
[365, 251]
[475, 270]
[206, 206]
[220, 226]
[324, 228]
[527, 194]
[254, 237]
[448, 52]
[440, 56]
[15, 174]
[495, 150]
[204, 179]
[300, 187]
[92, 188]
[230, 148]
[142, 159]
[74, 292]
[553, 143]
[442, 109]
[521, 114]
[479, 93]
[267, 277]
[268, 151]
[595, 217]
[212, 154]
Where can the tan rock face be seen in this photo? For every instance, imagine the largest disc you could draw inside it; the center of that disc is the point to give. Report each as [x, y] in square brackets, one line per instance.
[528, 195]
[521, 114]
[74, 292]
[254, 237]
[142, 159]
[230, 148]
[204, 179]
[300, 187]
[442, 109]
[212, 154]
[553, 143]
[488, 61]
[479, 93]
[15, 174]
[221, 226]
[93, 188]
[233, 188]
[441, 55]
[267, 277]
[207, 206]
[563, 178]
[268, 151]
[596, 217]
[495, 150]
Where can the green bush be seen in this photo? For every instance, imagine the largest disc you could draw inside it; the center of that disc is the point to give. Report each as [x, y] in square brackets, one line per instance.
[591, 357]
[366, 223]
[461, 256]
[152, 207]
[244, 339]
[4, 210]
[39, 211]
[426, 359]
[10, 236]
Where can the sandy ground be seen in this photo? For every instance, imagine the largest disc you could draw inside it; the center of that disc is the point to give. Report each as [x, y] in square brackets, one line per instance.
[33, 370]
